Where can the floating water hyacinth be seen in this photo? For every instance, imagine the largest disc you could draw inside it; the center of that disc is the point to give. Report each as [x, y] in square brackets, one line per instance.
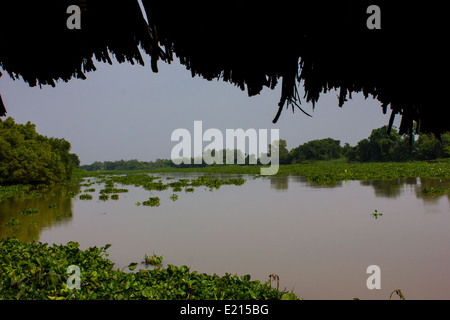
[376, 214]
[29, 211]
[103, 197]
[85, 196]
[13, 222]
[152, 201]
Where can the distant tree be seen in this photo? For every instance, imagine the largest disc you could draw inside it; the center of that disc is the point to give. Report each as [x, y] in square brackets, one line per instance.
[429, 147]
[74, 160]
[283, 152]
[284, 156]
[26, 157]
[381, 146]
[445, 145]
[322, 149]
[349, 152]
[404, 149]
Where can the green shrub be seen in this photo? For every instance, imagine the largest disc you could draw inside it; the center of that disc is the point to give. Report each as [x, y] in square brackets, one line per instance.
[26, 157]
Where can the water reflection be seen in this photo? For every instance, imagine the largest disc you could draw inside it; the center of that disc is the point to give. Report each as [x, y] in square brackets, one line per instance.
[282, 182]
[394, 188]
[279, 182]
[385, 188]
[54, 208]
[431, 183]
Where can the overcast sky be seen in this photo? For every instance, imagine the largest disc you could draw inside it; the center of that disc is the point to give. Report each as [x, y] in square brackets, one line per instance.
[125, 111]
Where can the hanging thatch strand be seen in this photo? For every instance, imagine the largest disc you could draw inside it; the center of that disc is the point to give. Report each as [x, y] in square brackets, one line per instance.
[2, 108]
[321, 45]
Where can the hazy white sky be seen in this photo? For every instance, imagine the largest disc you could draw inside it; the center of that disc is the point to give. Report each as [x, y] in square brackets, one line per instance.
[125, 111]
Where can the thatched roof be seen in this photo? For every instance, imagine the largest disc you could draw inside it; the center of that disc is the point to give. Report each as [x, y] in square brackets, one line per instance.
[322, 45]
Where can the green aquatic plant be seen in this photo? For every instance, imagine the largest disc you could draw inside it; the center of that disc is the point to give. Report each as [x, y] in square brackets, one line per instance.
[152, 201]
[432, 191]
[29, 211]
[158, 186]
[236, 181]
[39, 272]
[103, 197]
[174, 197]
[53, 206]
[178, 184]
[86, 184]
[115, 197]
[376, 214]
[34, 224]
[189, 189]
[113, 190]
[71, 194]
[154, 183]
[85, 196]
[13, 222]
[90, 190]
[153, 260]
[109, 184]
[13, 191]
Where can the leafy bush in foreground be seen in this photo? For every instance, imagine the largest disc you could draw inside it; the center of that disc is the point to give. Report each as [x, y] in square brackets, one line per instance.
[37, 271]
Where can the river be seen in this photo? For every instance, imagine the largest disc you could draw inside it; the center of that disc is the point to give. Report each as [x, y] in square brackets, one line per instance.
[319, 240]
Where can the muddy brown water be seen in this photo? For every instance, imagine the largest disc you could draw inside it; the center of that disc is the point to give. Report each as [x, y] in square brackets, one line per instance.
[319, 240]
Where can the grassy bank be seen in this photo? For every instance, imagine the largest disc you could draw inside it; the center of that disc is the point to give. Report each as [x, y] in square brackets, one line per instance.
[37, 271]
[321, 171]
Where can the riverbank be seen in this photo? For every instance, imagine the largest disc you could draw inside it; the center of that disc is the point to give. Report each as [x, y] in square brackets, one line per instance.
[322, 172]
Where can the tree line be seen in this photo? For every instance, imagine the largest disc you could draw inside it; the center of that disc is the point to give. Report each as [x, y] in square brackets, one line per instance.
[381, 146]
[26, 157]
[378, 147]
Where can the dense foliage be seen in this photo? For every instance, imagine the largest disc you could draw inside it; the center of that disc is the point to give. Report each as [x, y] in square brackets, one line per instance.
[26, 157]
[333, 172]
[37, 271]
[381, 146]
[323, 149]
[133, 164]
